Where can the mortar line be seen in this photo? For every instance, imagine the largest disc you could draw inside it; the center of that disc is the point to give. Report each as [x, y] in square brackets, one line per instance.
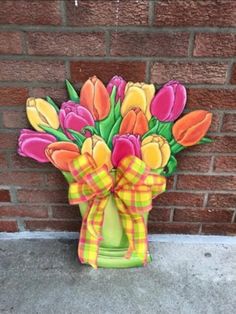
[234, 217]
[229, 71]
[151, 14]
[191, 44]
[107, 43]
[63, 12]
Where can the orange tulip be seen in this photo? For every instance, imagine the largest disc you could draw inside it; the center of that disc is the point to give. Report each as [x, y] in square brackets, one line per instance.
[61, 154]
[94, 96]
[190, 129]
[134, 122]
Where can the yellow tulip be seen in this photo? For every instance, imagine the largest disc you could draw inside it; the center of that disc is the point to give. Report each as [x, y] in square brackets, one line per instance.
[155, 151]
[138, 95]
[39, 111]
[98, 149]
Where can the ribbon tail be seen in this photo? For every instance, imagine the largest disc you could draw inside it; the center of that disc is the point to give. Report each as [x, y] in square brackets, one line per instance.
[91, 232]
[140, 238]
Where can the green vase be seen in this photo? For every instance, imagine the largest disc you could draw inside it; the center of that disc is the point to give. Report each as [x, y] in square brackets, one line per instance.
[115, 243]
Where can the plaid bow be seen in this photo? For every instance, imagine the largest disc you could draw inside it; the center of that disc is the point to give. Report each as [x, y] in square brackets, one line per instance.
[133, 191]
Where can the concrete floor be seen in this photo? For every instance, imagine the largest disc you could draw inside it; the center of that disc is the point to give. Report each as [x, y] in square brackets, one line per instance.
[44, 276]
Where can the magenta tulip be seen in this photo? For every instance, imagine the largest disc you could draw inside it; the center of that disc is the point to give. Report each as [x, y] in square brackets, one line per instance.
[169, 102]
[125, 145]
[120, 84]
[75, 117]
[33, 144]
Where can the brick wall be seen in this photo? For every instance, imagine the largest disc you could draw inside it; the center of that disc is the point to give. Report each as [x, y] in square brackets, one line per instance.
[44, 42]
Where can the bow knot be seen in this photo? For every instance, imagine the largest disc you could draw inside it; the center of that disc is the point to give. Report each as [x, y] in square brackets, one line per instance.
[133, 188]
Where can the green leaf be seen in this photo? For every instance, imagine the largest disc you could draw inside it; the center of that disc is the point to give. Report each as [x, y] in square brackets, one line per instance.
[68, 176]
[170, 167]
[106, 124]
[117, 110]
[89, 128]
[176, 148]
[152, 122]
[72, 92]
[80, 138]
[152, 131]
[51, 102]
[97, 127]
[58, 134]
[166, 130]
[114, 131]
[205, 140]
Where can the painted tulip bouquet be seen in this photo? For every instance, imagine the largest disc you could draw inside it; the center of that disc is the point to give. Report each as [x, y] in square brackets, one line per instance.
[125, 127]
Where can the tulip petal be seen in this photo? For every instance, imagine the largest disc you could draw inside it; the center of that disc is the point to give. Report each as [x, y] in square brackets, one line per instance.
[87, 146]
[101, 101]
[149, 90]
[47, 112]
[62, 158]
[128, 123]
[162, 104]
[87, 95]
[34, 148]
[151, 155]
[122, 148]
[34, 119]
[165, 150]
[179, 103]
[141, 125]
[196, 132]
[134, 98]
[102, 155]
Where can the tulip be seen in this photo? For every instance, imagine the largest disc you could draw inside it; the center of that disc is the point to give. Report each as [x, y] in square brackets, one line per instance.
[33, 144]
[39, 111]
[75, 117]
[134, 122]
[120, 84]
[169, 102]
[192, 127]
[125, 145]
[94, 96]
[138, 95]
[98, 149]
[155, 151]
[61, 154]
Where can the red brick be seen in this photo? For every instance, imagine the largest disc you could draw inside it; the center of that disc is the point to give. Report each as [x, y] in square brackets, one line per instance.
[22, 178]
[46, 71]
[193, 163]
[182, 228]
[159, 214]
[59, 95]
[233, 77]
[23, 211]
[152, 44]
[170, 183]
[8, 140]
[196, 72]
[12, 96]
[221, 144]
[204, 182]
[30, 12]
[195, 13]
[68, 212]
[5, 195]
[8, 226]
[225, 164]
[15, 119]
[219, 229]
[53, 225]
[10, 43]
[18, 162]
[103, 12]
[215, 122]
[229, 123]
[179, 199]
[203, 98]
[66, 44]
[206, 43]
[42, 196]
[202, 215]
[56, 179]
[105, 70]
[221, 200]
[3, 161]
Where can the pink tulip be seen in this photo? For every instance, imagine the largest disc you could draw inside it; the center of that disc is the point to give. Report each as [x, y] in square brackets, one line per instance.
[33, 144]
[125, 145]
[169, 102]
[75, 117]
[120, 83]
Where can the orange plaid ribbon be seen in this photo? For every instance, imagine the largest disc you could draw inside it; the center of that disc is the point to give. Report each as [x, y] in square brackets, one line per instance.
[133, 190]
